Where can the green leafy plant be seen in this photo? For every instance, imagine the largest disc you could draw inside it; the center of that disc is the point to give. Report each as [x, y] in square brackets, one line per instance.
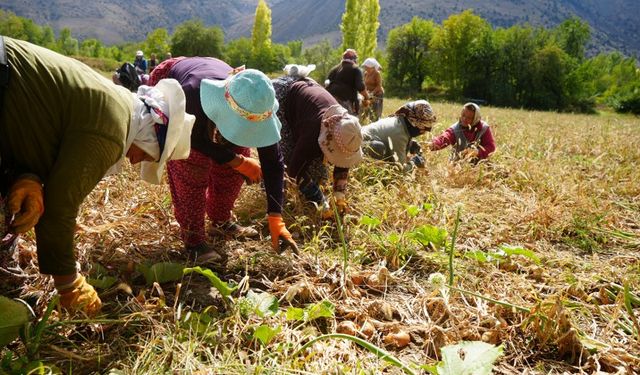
[428, 235]
[466, 358]
[502, 253]
[161, 272]
[322, 309]
[261, 304]
[14, 315]
[224, 288]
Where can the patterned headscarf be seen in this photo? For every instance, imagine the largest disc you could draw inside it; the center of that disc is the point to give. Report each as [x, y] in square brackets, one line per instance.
[419, 113]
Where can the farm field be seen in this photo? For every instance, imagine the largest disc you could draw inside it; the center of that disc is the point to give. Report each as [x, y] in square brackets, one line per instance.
[537, 252]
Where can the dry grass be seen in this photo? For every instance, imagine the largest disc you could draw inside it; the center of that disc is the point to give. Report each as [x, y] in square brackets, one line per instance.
[564, 186]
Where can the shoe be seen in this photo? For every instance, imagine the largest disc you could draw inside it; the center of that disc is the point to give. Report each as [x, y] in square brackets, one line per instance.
[204, 253]
[231, 229]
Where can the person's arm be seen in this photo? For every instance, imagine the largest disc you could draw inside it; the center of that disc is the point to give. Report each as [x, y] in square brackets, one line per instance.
[487, 145]
[359, 82]
[273, 169]
[445, 139]
[82, 161]
[272, 164]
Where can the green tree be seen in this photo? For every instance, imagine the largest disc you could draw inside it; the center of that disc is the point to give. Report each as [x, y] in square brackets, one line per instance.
[460, 47]
[549, 71]
[192, 38]
[350, 24]
[573, 35]
[92, 48]
[323, 56]
[157, 42]
[368, 40]
[261, 38]
[408, 56]
[67, 45]
[238, 52]
[295, 47]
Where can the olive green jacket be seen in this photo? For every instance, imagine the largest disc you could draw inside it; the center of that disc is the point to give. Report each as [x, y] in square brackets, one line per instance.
[67, 124]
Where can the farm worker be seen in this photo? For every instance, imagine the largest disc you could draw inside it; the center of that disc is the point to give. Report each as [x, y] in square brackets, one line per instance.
[233, 113]
[315, 129]
[345, 81]
[391, 138]
[470, 137]
[140, 63]
[63, 126]
[373, 84]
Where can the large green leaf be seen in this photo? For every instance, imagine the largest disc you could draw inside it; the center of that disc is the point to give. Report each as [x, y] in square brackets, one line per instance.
[265, 334]
[13, 315]
[469, 358]
[264, 304]
[426, 234]
[223, 287]
[161, 272]
[516, 250]
[322, 309]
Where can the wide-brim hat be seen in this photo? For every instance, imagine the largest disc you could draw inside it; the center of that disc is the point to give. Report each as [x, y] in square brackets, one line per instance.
[340, 137]
[178, 142]
[243, 108]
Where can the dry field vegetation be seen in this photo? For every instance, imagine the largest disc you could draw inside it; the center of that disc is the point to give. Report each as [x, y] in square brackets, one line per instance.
[545, 260]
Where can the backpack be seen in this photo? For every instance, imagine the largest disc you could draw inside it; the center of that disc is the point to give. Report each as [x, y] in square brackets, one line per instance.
[128, 77]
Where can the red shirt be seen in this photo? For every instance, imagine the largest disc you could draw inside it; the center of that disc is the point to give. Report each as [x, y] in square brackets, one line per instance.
[447, 138]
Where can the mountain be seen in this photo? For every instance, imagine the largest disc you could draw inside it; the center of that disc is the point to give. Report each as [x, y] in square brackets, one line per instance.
[613, 22]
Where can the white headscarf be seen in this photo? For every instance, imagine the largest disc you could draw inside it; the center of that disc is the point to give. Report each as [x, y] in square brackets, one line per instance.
[372, 63]
[169, 100]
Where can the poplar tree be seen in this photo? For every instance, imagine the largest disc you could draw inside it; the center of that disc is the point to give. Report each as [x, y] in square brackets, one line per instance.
[350, 24]
[261, 35]
[367, 40]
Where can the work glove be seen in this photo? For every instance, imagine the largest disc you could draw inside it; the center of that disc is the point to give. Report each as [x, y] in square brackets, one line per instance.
[26, 203]
[280, 236]
[326, 212]
[341, 202]
[250, 168]
[79, 296]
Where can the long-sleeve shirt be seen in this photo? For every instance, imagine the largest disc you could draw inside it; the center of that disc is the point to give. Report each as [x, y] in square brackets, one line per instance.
[189, 72]
[486, 144]
[67, 124]
[305, 106]
[392, 132]
[346, 81]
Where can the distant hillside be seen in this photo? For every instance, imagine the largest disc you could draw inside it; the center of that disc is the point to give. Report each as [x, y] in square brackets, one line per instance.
[614, 22]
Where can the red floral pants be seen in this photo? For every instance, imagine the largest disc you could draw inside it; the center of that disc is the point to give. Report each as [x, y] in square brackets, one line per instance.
[199, 184]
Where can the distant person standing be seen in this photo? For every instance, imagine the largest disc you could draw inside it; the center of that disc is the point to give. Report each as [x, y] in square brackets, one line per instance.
[345, 81]
[140, 63]
[168, 56]
[153, 62]
[373, 83]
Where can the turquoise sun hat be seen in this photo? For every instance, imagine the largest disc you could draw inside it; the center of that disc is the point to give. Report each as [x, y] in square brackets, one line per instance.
[243, 108]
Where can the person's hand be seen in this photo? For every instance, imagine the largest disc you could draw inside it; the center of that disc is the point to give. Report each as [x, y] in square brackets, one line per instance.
[250, 168]
[365, 103]
[79, 296]
[341, 202]
[326, 212]
[26, 203]
[279, 233]
[469, 153]
[418, 161]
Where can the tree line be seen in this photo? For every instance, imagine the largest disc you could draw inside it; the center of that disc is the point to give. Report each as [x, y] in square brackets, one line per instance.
[463, 58]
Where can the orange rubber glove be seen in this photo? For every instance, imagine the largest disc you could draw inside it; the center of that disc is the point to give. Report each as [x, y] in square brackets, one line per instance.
[279, 232]
[341, 202]
[26, 202]
[250, 168]
[79, 296]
